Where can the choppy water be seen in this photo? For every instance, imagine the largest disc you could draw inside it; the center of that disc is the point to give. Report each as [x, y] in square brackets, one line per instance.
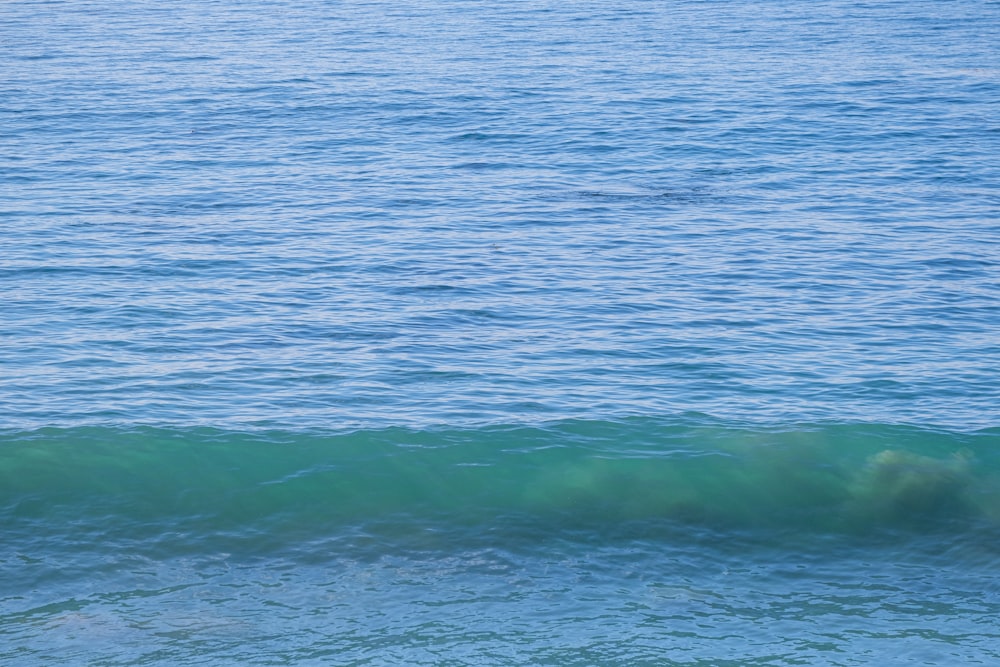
[499, 333]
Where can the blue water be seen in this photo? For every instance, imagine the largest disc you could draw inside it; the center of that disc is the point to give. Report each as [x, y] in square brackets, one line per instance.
[485, 333]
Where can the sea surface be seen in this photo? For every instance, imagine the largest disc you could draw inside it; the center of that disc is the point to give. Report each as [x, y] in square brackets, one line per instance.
[469, 332]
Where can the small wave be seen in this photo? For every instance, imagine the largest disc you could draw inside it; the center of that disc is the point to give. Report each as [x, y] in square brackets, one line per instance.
[565, 476]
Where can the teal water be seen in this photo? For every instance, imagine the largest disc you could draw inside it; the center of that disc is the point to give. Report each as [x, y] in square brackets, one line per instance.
[488, 333]
[822, 478]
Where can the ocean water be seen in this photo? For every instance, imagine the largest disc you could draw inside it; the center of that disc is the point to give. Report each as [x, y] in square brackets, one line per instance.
[500, 333]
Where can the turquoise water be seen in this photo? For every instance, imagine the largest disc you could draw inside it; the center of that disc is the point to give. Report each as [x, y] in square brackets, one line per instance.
[489, 333]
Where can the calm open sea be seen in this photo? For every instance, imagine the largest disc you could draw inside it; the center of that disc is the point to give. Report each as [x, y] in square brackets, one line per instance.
[481, 332]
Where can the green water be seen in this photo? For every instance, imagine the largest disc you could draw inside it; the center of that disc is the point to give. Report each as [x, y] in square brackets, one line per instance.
[821, 477]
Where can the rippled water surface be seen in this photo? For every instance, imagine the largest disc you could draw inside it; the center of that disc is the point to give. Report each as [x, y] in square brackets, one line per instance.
[477, 332]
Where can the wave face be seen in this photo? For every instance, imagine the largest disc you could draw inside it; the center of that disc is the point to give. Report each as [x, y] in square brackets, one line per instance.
[573, 474]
